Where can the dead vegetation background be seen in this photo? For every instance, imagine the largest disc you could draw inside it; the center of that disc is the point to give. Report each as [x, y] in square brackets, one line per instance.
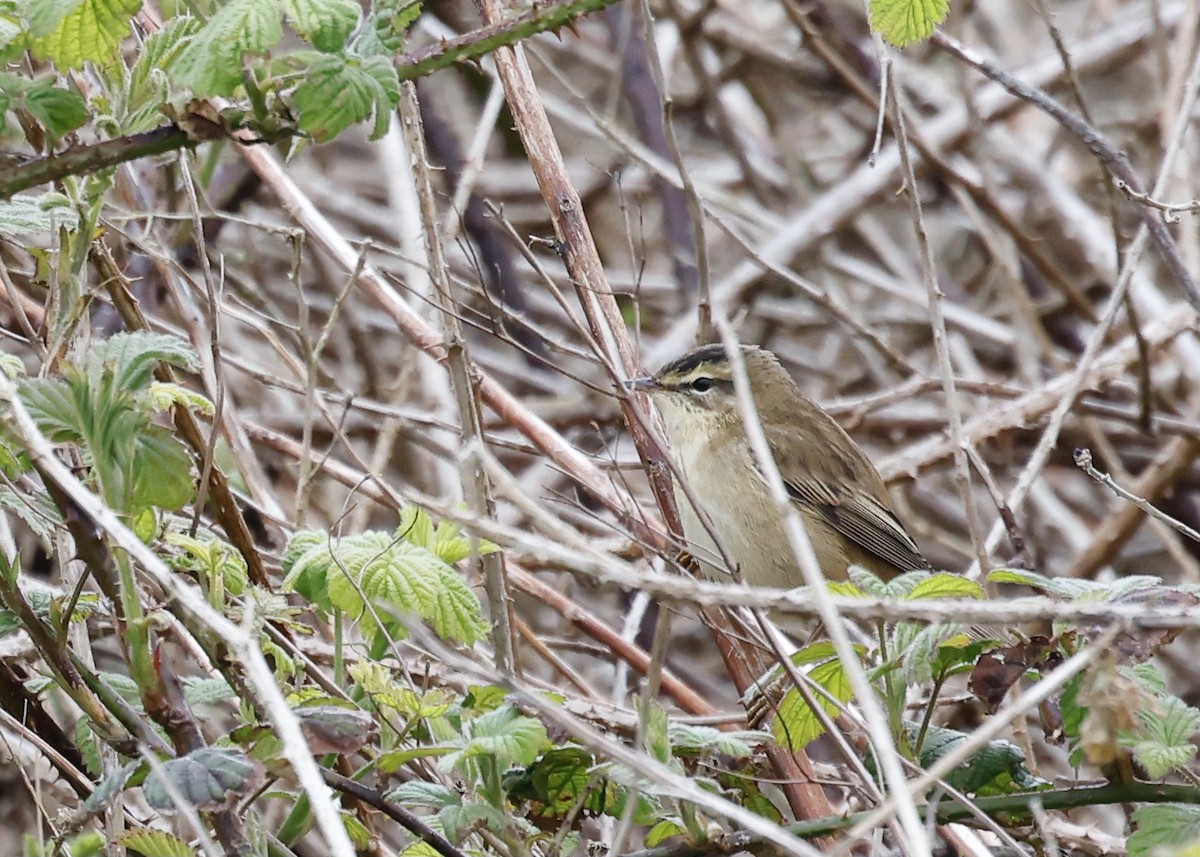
[774, 161]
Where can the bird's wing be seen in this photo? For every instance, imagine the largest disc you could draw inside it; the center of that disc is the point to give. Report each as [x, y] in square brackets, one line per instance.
[862, 519]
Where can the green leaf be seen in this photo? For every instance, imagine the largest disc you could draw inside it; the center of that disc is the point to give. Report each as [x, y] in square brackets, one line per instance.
[1164, 828]
[155, 843]
[1062, 587]
[46, 212]
[797, 724]
[739, 744]
[211, 64]
[654, 724]
[325, 23]
[386, 27]
[422, 793]
[341, 90]
[60, 111]
[945, 585]
[90, 30]
[903, 22]
[918, 656]
[162, 472]
[664, 830]
[996, 768]
[133, 357]
[458, 820]
[506, 735]
[1164, 743]
[110, 787]
[149, 81]
[393, 575]
[556, 780]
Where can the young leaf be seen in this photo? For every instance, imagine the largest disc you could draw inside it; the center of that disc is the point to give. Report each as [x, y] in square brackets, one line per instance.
[903, 22]
[47, 212]
[162, 471]
[996, 768]
[60, 111]
[391, 575]
[155, 843]
[324, 23]
[422, 793]
[1164, 828]
[1165, 740]
[664, 830]
[1060, 586]
[211, 64]
[90, 30]
[797, 725]
[340, 90]
[945, 585]
[555, 781]
[505, 734]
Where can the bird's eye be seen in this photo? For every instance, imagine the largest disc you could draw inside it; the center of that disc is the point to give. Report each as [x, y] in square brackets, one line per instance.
[702, 385]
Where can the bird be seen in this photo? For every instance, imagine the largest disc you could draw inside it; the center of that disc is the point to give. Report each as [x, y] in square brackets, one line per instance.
[841, 498]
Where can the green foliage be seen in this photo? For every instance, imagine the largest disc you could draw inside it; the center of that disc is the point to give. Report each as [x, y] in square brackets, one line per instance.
[83, 30]
[104, 405]
[1164, 741]
[45, 212]
[219, 567]
[1166, 829]
[342, 90]
[996, 768]
[903, 22]
[326, 24]
[376, 577]
[155, 843]
[211, 64]
[58, 111]
[797, 724]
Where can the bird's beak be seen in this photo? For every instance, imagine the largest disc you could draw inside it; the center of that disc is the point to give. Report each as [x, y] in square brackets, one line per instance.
[644, 384]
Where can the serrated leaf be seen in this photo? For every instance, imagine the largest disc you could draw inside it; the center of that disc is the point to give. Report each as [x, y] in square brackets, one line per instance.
[211, 63]
[458, 820]
[1164, 741]
[340, 90]
[797, 724]
[386, 26]
[996, 768]
[155, 843]
[844, 588]
[945, 585]
[392, 574]
[91, 31]
[556, 780]
[739, 744]
[505, 734]
[422, 793]
[326, 24]
[903, 22]
[654, 727]
[1163, 828]
[59, 111]
[207, 691]
[47, 212]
